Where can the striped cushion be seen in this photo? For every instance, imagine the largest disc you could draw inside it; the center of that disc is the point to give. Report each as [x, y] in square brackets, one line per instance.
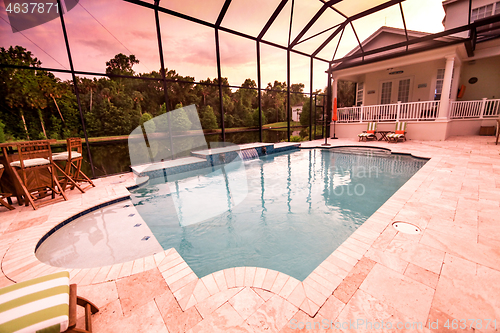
[33, 305]
[366, 134]
[64, 156]
[31, 162]
[395, 135]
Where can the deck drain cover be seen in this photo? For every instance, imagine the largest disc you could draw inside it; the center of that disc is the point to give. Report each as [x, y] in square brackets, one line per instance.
[406, 228]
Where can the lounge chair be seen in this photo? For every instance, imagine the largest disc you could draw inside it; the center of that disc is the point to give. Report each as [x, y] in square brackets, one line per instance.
[400, 132]
[44, 304]
[369, 133]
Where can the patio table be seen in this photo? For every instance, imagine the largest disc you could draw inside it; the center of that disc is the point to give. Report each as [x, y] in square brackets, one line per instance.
[383, 135]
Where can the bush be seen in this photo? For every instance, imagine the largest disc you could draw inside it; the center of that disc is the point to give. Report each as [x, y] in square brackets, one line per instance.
[2, 134]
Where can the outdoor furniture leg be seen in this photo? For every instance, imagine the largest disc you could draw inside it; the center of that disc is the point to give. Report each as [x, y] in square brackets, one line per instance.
[68, 179]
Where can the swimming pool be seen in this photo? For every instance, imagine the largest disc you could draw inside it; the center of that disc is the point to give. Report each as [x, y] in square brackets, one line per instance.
[299, 207]
[287, 212]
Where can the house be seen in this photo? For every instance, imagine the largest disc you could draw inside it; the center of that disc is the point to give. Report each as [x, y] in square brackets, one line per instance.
[443, 84]
[296, 111]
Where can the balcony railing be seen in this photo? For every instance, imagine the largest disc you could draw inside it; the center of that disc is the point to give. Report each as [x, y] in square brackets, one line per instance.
[427, 110]
[486, 108]
[419, 111]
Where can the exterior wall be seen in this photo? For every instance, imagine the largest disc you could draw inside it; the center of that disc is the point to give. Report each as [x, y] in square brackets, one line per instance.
[423, 73]
[487, 72]
[419, 130]
[423, 130]
[461, 127]
[457, 14]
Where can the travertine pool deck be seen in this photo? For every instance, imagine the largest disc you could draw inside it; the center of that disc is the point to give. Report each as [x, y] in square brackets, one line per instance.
[449, 271]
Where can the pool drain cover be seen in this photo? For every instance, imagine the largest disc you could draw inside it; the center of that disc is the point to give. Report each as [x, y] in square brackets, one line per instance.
[406, 228]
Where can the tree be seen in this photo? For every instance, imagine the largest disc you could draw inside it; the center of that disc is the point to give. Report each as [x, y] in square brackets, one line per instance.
[207, 118]
[121, 65]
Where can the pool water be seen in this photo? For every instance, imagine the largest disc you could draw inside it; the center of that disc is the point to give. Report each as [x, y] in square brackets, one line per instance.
[291, 213]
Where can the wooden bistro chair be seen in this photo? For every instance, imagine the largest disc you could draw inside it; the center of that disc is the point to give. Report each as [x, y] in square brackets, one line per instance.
[44, 304]
[35, 172]
[369, 134]
[2, 196]
[399, 133]
[73, 158]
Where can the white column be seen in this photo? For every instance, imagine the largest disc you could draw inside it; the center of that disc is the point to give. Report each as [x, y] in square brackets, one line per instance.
[456, 79]
[445, 93]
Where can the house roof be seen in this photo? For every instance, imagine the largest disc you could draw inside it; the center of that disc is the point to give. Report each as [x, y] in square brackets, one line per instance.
[390, 30]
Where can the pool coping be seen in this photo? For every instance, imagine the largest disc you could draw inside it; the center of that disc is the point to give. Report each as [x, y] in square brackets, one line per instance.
[20, 263]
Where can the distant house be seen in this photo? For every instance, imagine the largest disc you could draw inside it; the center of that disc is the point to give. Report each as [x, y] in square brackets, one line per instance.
[296, 111]
[442, 86]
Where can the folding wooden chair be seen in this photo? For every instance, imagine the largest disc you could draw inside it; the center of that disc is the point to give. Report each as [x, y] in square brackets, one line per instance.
[43, 304]
[72, 169]
[2, 195]
[35, 172]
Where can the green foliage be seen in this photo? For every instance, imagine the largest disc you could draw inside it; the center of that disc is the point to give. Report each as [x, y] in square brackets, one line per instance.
[346, 93]
[207, 118]
[149, 126]
[2, 134]
[295, 138]
[55, 128]
[30, 99]
[179, 120]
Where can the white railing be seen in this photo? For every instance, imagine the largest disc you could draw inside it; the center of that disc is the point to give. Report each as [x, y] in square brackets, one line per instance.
[486, 108]
[418, 111]
[427, 110]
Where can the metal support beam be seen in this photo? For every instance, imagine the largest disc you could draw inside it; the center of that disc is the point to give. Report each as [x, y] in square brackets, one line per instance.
[359, 42]
[259, 86]
[483, 22]
[75, 84]
[338, 44]
[313, 20]
[311, 101]
[353, 18]
[288, 84]
[219, 77]
[212, 25]
[271, 20]
[222, 13]
[329, 102]
[163, 78]
[329, 39]
[404, 23]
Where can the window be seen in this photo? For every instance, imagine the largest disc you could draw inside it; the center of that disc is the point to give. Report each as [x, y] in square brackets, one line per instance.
[404, 91]
[359, 94]
[485, 11]
[439, 84]
[385, 96]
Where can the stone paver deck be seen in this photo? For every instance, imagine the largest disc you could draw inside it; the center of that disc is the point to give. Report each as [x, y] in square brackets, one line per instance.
[449, 271]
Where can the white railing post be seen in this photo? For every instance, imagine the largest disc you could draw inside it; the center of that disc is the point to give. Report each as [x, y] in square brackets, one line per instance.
[361, 111]
[398, 110]
[483, 105]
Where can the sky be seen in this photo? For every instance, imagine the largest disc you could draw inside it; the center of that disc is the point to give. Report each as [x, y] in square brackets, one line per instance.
[100, 29]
